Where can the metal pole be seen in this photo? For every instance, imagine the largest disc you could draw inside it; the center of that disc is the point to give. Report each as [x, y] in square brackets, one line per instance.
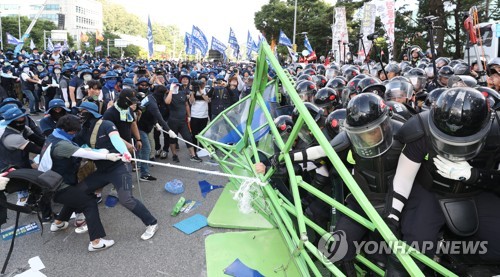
[44, 40]
[295, 24]
[108, 47]
[173, 50]
[19, 21]
[1, 32]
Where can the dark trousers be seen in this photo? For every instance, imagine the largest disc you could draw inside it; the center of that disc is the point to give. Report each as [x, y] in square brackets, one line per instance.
[166, 141]
[422, 219]
[119, 175]
[180, 126]
[76, 200]
[197, 125]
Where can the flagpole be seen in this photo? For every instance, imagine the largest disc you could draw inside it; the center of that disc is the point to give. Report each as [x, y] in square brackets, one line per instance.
[1, 32]
[19, 21]
[295, 27]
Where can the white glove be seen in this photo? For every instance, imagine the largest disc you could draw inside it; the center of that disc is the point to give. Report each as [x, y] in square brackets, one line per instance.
[3, 182]
[66, 104]
[459, 171]
[114, 157]
[172, 134]
[73, 104]
[158, 127]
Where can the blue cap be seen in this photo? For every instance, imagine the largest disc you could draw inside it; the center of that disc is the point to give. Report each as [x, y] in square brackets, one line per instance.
[128, 82]
[142, 80]
[12, 114]
[111, 74]
[56, 103]
[91, 107]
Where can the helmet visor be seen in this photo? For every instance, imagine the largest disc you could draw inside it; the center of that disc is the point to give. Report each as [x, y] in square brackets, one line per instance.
[458, 148]
[373, 140]
[331, 73]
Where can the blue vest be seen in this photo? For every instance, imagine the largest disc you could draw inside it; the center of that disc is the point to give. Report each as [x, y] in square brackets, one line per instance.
[17, 157]
[67, 168]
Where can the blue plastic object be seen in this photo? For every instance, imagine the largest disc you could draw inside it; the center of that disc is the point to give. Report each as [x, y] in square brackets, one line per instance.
[175, 187]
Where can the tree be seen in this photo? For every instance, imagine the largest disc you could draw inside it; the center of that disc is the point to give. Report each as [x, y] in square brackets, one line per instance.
[313, 16]
[10, 25]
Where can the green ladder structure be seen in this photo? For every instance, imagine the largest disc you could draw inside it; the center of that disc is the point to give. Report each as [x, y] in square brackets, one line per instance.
[273, 239]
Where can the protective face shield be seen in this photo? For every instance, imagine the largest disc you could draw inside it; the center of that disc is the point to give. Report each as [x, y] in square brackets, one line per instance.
[398, 91]
[331, 73]
[459, 123]
[372, 140]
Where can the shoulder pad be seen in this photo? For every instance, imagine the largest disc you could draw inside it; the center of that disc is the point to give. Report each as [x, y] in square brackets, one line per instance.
[396, 126]
[412, 129]
[340, 142]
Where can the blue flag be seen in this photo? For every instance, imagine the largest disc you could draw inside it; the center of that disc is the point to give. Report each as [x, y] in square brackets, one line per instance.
[12, 40]
[255, 47]
[284, 40]
[188, 41]
[150, 38]
[250, 45]
[218, 46]
[233, 42]
[307, 45]
[199, 40]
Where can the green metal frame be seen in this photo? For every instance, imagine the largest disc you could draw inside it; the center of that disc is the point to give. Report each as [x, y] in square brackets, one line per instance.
[285, 215]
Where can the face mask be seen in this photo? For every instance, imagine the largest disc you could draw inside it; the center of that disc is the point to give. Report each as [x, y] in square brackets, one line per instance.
[87, 77]
[18, 125]
[39, 68]
[84, 116]
[119, 71]
[111, 83]
[58, 115]
[57, 71]
[95, 76]
[26, 70]
[95, 97]
[67, 74]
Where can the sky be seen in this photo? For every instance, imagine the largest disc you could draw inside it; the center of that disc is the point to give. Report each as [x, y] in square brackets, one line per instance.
[213, 17]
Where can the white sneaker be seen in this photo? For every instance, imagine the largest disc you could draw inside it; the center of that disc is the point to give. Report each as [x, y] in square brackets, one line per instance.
[150, 232]
[58, 227]
[22, 201]
[102, 245]
[82, 229]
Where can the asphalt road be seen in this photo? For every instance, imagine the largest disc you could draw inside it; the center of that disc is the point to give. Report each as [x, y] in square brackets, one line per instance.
[169, 253]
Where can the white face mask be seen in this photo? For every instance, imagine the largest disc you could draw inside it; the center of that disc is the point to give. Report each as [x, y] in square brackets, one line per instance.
[87, 77]
[39, 68]
[26, 70]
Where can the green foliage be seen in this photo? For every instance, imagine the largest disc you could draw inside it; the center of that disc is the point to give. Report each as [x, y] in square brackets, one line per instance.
[313, 16]
[10, 25]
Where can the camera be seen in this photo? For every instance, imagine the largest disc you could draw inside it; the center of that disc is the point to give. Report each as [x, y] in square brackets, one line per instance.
[195, 85]
[372, 36]
[141, 69]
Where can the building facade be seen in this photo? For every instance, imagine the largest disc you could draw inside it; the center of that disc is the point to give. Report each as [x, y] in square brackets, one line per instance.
[78, 15]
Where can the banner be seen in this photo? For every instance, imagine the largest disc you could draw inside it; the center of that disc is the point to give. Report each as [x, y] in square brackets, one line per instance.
[149, 36]
[284, 40]
[84, 37]
[98, 48]
[218, 46]
[65, 46]
[12, 40]
[199, 40]
[188, 41]
[340, 35]
[233, 43]
[99, 36]
[250, 44]
[307, 44]
[367, 27]
[387, 13]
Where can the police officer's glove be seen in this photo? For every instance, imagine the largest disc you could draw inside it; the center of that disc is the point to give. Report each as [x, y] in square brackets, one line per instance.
[394, 226]
[3, 182]
[274, 160]
[172, 134]
[460, 170]
[158, 127]
[67, 104]
[114, 157]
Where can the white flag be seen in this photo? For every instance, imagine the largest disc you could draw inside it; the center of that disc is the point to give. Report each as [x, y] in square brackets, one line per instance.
[50, 46]
[32, 45]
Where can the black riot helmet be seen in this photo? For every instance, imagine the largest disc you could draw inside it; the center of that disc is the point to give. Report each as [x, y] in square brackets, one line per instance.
[365, 82]
[432, 97]
[462, 81]
[306, 77]
[316, 113]
[350, 73]
[284, 124]
[320, 81]
[491, 95]
[444, 74]
[459, 123]
[418, 78]
[334, 122]
[321, 69]
[398, 90]
[337, 84]
[326, 98]
[368, 125]
[306, 90]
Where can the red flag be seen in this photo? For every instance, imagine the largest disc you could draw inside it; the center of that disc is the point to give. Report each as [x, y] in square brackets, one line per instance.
[312, 56]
